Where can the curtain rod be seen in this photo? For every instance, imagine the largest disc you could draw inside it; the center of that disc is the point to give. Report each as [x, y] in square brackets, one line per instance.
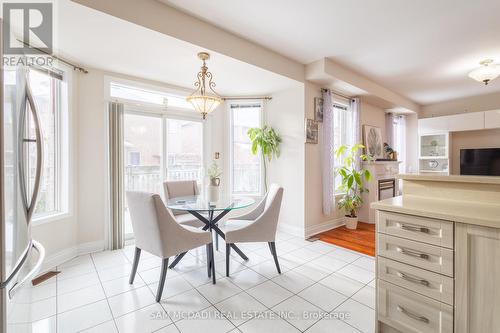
[75, 67]
[266, 98]
[338, 94]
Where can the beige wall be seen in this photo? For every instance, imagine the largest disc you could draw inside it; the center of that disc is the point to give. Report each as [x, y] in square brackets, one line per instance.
[285, 113]
[489, 138]
[373, 116]
[92, 131]
[468, 104]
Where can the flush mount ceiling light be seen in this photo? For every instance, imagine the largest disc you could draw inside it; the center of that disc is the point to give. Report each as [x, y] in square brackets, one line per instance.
[487, 72]
[202, 102]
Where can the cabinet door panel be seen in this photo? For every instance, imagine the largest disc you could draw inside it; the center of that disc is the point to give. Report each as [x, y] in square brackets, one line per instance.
[466, 122]
[492, 119]
[477, 291]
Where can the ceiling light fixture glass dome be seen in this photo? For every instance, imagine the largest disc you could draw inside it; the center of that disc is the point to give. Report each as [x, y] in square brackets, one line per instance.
[487, 72]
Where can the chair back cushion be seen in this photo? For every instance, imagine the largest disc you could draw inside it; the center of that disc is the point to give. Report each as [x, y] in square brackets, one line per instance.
[156, 230]
[145, 222]
[273, 207]
[180, 188]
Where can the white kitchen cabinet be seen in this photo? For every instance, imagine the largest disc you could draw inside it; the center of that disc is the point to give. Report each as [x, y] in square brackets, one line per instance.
[492, 119]
[477, 279]
[465, 121]
[432, 125]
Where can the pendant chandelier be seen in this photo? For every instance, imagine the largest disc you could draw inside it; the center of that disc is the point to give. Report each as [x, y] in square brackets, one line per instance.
[202, 102]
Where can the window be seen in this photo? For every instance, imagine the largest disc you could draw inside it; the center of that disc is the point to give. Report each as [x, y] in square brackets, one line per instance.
[246, 168]
[49, 91]
[134, 158]
[137, 94]
[399, 140]
[184, 150]
[343, 131]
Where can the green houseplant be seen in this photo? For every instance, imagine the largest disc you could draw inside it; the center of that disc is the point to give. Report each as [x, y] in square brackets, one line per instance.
[353, 180]
[267, 141]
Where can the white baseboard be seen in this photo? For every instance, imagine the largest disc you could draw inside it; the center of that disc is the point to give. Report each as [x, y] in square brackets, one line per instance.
[322, 227]
[61, 257]
[91, 247]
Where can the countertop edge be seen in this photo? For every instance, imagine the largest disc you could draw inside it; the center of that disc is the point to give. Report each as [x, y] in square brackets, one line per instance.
[391, 207]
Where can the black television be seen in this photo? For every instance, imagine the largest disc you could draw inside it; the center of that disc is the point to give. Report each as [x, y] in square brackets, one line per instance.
[482, 162]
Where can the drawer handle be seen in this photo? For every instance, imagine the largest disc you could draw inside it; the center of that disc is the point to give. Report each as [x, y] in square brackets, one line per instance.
[413, 253]
[414, 228]
[412, 315]
[413, 279]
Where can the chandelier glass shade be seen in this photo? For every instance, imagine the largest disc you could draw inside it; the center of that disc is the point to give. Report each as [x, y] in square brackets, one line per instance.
[487, 72]
[199, 99]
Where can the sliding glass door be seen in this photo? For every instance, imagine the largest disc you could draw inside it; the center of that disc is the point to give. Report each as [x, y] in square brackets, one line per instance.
[143, 157]
[159, 148]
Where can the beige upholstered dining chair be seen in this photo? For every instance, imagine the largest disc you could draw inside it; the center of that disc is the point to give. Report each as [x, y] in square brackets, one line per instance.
[257, 226]
[157, 232]
[182, 188]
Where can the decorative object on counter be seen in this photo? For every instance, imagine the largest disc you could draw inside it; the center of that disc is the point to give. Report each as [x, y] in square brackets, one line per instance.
[214, 174]
[390, 154]
[311, 131]
[353, 179]
[268, 141]
[433, 164]
[318, 109]
[373, 141]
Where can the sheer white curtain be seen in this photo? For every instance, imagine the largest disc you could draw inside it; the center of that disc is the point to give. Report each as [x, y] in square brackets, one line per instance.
[399, 139]
[355, 106]
[328, 156]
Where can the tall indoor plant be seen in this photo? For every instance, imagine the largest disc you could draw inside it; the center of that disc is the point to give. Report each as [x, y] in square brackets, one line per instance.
[353, 179]
[267, 141]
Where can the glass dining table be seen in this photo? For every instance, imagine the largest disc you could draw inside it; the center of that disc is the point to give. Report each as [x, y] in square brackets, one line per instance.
[210, 213]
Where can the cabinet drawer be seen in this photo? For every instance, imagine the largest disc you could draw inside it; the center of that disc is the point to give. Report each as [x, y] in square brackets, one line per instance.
[426, 230]
[430, 257]
[433, 285]
[410, 312]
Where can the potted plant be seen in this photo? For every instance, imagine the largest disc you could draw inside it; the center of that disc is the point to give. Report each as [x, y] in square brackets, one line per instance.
[267, 141]
[352, 182]
[214, 174]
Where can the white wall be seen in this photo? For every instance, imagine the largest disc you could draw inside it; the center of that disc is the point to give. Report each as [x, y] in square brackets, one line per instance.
[285, 113]
[92, 197]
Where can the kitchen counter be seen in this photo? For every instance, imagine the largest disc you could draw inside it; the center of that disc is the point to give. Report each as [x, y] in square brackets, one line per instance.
[477, 213]
[450, 178]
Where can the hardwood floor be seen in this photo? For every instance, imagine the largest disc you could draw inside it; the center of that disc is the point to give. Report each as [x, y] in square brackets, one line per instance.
[361, 240]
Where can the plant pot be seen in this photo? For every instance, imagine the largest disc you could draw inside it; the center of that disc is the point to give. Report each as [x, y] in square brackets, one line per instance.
[351, 222]
[213, 193]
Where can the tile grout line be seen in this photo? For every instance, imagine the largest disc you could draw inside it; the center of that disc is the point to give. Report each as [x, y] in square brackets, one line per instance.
[105, 296]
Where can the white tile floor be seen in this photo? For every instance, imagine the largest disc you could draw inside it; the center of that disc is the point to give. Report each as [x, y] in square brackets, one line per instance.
[322, 288]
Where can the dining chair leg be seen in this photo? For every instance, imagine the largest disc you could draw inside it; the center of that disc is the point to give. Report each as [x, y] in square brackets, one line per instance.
[216, 242]
[163, 275]
[137, 255]
[228, 252]
[272, 247]
[212, 261]
[209, 260]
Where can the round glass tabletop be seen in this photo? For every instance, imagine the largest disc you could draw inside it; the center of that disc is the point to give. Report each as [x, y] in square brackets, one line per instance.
[200, 203]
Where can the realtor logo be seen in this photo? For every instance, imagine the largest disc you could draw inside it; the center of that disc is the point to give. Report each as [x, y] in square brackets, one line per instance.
[27, 28]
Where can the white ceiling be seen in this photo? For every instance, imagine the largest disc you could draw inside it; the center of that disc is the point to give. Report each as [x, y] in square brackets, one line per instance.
[98, 40]
[422, 49]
